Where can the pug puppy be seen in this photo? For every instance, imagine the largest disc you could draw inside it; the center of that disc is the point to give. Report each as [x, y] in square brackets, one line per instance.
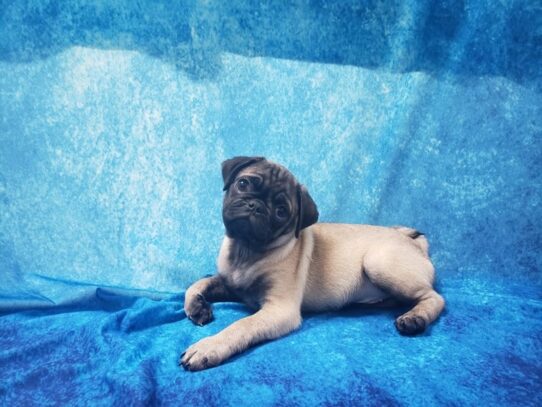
[276, 259]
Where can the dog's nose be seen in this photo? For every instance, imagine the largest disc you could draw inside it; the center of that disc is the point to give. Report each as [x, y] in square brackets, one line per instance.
[255, 207]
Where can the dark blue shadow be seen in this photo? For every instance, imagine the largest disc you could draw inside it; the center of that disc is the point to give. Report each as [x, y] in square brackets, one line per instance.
[396, 36]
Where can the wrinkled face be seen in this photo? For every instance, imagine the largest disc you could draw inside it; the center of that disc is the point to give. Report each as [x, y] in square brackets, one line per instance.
[260, 204]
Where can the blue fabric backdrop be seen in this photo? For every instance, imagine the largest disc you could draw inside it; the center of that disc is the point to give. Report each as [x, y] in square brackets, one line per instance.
[115, 117]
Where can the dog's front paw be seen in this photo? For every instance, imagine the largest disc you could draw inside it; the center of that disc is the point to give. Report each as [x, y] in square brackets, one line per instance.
[410, 324]
[204, 354]
[198, 310]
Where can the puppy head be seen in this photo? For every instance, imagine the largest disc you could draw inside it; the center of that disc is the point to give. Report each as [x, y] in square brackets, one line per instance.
[263, 202]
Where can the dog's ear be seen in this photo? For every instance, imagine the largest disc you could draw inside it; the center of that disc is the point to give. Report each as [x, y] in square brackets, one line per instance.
[308, 212]
[231, 167]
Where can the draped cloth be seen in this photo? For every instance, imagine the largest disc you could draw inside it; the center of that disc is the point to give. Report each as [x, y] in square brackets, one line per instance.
[115, 117]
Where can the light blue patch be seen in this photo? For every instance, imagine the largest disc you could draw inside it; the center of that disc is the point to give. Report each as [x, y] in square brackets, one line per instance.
[115, 117]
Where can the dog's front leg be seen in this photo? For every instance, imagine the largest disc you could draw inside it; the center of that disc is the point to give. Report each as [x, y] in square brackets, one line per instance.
[271, 321]
[199, 296]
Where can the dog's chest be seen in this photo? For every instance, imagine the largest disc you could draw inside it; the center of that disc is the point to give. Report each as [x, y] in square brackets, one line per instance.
[249, 284]
[237, 277]
[243, 278]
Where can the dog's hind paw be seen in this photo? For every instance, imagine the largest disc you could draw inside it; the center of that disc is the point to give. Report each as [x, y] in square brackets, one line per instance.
[410, 324]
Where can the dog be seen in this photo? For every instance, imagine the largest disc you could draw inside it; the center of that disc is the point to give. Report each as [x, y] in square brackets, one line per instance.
[279, 261]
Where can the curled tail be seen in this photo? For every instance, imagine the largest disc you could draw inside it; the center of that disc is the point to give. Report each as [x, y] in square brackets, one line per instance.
[417, 236]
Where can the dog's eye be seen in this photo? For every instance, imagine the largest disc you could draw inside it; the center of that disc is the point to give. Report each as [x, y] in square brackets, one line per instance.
[242, 184]
[281, 212]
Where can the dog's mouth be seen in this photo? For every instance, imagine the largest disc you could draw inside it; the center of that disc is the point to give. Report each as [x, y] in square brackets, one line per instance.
[247, 223]
[249, 228]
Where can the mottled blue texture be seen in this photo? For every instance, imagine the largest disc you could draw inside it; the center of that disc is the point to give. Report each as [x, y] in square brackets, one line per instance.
[114, 119]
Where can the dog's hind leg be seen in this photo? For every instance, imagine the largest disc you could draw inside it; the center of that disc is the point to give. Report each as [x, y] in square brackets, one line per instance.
[408, 276]
[427, 309]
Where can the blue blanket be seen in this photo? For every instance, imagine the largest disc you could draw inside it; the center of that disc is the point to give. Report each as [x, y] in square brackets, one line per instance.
[115, 117]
